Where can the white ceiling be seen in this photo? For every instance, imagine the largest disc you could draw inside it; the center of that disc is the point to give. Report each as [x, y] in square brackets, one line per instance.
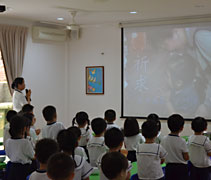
[103, 11]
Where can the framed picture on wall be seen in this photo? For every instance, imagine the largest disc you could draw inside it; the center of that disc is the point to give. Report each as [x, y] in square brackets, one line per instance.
[95, 80]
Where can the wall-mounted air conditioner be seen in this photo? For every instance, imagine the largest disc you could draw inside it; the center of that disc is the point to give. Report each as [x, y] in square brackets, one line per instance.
[49, 34]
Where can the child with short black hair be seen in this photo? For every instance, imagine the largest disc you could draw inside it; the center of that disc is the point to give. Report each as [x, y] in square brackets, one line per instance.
[44, 149]
[132, 138]
[53, 127]
[155, 117]
[10, 114]
[78, 150]
[60, 167]
[150, 155]
[199, 151]
[114, 139]
[67, 143]
[96, 145]
[28, 108]
[176, 160]
[110, 117]
[114, 166]
[19, 150]
[82, 120]
[30, 132]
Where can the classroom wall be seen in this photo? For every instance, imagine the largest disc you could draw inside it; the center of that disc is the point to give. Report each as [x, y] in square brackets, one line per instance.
[56, 73]
[87, 52]
[44, 73]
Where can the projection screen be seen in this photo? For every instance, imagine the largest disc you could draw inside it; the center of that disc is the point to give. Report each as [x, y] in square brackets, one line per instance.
[166, 69]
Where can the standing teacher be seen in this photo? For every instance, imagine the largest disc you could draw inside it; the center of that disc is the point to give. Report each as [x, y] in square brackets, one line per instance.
[18, 98]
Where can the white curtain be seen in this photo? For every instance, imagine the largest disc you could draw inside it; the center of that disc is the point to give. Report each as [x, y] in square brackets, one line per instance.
[12, 45]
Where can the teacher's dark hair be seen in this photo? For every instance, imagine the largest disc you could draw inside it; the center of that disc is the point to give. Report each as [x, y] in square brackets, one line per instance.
[18, 80]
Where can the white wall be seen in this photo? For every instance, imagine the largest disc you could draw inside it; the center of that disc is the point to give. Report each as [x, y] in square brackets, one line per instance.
[56, 74]
[44, 73]
[87, 52]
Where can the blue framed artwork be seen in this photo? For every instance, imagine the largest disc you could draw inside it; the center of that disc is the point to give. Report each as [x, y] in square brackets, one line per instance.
[95, 80]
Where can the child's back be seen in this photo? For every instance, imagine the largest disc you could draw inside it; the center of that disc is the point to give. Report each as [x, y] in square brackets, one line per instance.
[132, 138]
[44, 149]
[53, 127]
[82, 120]
[67, 142]
[51, 130]
[85, 136]
[175, 146]
[9, 116]
[199, 146]
[200, 151]
[96, 145]
[150, 155]
[176, 160]
[110, 117]
[19, 150]
[114, 139]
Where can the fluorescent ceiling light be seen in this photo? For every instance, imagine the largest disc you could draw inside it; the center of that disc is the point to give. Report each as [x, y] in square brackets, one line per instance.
[133, 12]
[60, 19]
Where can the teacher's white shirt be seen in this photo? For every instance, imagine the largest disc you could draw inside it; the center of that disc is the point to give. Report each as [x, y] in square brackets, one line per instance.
[18, 100]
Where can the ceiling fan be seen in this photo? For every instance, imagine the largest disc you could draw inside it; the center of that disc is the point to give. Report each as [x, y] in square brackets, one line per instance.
[72, 26]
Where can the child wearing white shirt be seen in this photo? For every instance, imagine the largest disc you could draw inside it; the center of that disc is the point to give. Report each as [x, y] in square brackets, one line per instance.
[10, 114]
[132, 138]
[176, 160]
[114, 140]
[43, 150]
[31, 134]
[78, 150]
[96, 145]
[67, 143]
[155, 117]
[53, 127]
[60, 166]
[82, 120]
[110, 117]
[200, 151]
[19, 150]
[150, 155]
[18, 98]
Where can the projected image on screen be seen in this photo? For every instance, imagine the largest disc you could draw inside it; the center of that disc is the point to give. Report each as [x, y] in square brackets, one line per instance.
[167, 69]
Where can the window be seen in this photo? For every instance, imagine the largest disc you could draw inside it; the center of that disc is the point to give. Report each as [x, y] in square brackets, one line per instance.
[5, 97]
